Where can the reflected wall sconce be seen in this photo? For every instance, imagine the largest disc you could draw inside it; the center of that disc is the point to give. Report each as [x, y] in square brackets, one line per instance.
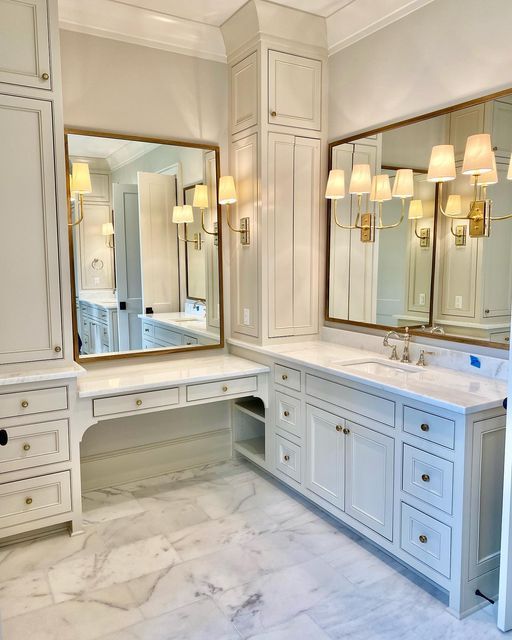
[479, 164]
[184, 215]
[201, 202]
[227, 197]
[416, 213]
[107, 230]
[453, 210]
[377, 189]
[80, 183]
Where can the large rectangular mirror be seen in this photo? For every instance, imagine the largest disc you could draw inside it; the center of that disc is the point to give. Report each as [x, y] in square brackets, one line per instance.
[145, 243]
[428, 247]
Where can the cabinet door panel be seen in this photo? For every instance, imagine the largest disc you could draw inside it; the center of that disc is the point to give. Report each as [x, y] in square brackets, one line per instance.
[24, 48]
[29, 288]
[244, 93]
[325, 456]
[369, 478]
[96, 258]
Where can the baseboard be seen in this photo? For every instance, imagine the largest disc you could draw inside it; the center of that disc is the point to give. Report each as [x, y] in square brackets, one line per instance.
[137, 463]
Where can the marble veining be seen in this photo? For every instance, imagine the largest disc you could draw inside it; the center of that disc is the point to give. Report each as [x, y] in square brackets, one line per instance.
[217, 553]
[22, 374]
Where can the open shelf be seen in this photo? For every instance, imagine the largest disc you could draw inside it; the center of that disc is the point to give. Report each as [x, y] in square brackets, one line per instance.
[254, 449]
[253, 407]
[249, 429]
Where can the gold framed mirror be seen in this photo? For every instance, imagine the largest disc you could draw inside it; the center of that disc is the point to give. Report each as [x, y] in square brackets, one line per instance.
[428, 247]
[144, 235]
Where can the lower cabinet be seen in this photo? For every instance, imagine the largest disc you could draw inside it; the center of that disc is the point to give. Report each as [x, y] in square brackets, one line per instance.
[351, 467]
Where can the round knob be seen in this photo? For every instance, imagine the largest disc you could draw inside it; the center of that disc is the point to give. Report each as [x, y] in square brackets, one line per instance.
[425, 477]
[4, 437]
[339, 427]
[224, 388]
[28, 500]
[45, 76]
[24, 404]
[26, 447]
[138, 402]
[424, 427]
[286, 458]
[346, 431]
[495, 148]
[423, 539]
[58, 349]
[273, 114]
[286, 413]
[284, 377]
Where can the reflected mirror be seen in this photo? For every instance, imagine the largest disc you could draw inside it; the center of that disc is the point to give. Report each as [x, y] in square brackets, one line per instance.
[145, 244]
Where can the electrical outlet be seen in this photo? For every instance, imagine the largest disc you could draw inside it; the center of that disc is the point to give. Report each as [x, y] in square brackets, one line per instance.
[422, 300]
[96, 280]
[458, 302]
[247, 317]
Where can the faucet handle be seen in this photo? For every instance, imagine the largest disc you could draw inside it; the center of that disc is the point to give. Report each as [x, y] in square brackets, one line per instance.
[394, 353]
[421, 359]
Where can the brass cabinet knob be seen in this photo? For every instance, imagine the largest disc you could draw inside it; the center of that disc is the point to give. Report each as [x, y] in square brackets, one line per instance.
[286, 413]
[28, 500]
[58, 349]
[339, 427]
[424, 427]
[45, 76]
[273, 114]
[26, 447]
[346, 431]
[286, 458]
[225, 388]
[425, 477]
[138, 402]
[24, 404]
[423, 539]
[284, 377]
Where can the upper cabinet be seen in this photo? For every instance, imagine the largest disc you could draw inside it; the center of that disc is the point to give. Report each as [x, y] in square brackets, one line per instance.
[295, 90]
[24, 43]
[244, 93]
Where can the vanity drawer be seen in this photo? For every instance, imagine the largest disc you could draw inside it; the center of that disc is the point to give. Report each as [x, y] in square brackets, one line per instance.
[221, 388]
[172, 338]
[287, 458]
[365, 404]
[35, 498]
[428, 477]
[429, 427]
[135, 402]
[288, 414]
[190, 340]
[33, 445]
[148, 329]
[29, 402]
[287, 377]
[426, 539]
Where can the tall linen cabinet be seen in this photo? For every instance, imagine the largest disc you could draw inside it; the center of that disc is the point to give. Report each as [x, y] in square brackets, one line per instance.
[277, 126]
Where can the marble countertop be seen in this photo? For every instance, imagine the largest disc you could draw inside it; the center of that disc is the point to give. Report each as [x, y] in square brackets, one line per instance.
[450, 389]
[101, 299]
[194, 325]
[110, 380]
[20, 374]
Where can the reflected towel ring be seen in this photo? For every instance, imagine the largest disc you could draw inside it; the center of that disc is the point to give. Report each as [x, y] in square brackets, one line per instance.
[97, 264]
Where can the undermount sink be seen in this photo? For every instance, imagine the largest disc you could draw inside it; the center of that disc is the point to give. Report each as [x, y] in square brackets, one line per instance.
[379, 368]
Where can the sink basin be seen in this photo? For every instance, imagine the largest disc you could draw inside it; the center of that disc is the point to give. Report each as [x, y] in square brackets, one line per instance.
[379, 368]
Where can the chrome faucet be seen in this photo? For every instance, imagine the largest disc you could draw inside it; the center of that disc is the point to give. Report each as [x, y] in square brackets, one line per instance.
[405, 337]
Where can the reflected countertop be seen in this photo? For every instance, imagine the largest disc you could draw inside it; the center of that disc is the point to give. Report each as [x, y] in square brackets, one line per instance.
[182, 321]
[102, 299]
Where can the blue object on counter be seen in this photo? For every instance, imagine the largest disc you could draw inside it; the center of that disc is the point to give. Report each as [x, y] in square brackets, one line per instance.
[475, 362]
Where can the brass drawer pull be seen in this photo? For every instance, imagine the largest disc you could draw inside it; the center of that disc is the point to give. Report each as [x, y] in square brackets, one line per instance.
[26, 447]
[273, 114]
[286, 458]
[424, 427]
[339, 427]
[284, 377]
[45, 76]
[58, 349]
[425, 477]
[24, 404]
[423, 539]
[225, 388]
[286, 413]
[138, 402]
[28, 501]
[346, 431]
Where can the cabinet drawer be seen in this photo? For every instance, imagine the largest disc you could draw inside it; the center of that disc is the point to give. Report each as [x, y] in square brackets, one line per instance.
[190, 340]
[426, 539]
[172, 338]
[29, 402]
[148, 329]
[430, 427]
[135, 402]
[35, 498]
[365, 404]
[428, 477]
[33, 445]
[287, 377]
[288, 458]
[288, 414]
[221, 388]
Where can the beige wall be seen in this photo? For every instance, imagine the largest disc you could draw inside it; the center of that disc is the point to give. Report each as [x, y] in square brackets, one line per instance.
[447, 52]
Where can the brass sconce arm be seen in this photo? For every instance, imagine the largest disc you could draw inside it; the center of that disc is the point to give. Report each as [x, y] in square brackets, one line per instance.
[349, 227]
[506, 217]
[395, 224]
[80, 211]
[228, 219]
[196, 240]
[210, 233]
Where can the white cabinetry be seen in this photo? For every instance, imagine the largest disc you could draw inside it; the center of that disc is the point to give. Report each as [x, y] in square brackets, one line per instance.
[244, 93]
[24, 43]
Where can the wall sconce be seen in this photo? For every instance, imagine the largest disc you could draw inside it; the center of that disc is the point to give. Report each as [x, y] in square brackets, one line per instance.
[416, 213]
[227, 197]
[201, 202]
[184, 215]
[107, 230]
[80, 182]
[453, 210]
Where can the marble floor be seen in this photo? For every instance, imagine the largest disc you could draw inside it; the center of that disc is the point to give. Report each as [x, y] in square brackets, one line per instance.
[217, 553]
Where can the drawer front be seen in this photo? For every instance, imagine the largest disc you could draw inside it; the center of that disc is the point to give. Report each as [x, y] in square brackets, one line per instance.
[33, 445]
[148, 329]
[170, 337]
[426, 539]
[190, 340]
[288, 414]
[35, 498]
[288, 458]
[287, 377]
[30, 402]
[365, 404]
[428, 477]
[135, 402]
[430, 427]
[221, 388]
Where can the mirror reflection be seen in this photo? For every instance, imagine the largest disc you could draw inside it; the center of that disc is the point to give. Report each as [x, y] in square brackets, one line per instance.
[145, 244]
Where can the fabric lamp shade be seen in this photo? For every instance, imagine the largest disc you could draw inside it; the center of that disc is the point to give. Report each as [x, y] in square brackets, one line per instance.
[381, 188]
[335, 185]
[227, 190]
[454, 206]
[403, 185]
[487, 179]
[442, 164]
[80, 178]
[415, 210]
[107, 229]
[478, 155]
[200, 196]
[360, 180]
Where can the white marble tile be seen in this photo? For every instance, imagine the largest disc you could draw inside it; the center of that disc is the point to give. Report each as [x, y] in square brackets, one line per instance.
[28, 592]
[299, 628]
[199, 621]
[100, 570]
[86, 618]
[103, 505]
[317, 534]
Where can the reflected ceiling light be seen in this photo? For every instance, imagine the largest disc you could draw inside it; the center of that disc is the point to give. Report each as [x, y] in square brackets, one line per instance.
[80, 182]
[227, 197]
[416, 213]
[201, 202]
[185, 215]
